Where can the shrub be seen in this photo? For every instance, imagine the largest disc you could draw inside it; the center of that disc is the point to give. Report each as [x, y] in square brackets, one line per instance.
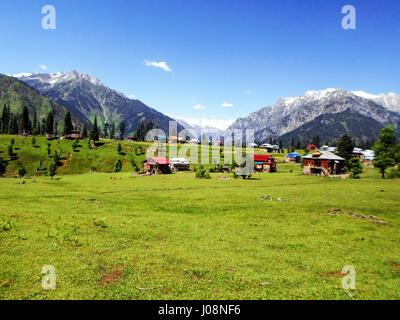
[202, 173]
[21, 172]
[99, 222]
[33, 141]
[393, 173]
[5, 225]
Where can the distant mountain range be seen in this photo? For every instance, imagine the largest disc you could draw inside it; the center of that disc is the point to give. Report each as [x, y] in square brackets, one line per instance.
[328, 113]
[88, 97]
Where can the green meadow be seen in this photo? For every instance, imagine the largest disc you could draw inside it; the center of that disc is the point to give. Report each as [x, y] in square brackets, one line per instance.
[123, 236]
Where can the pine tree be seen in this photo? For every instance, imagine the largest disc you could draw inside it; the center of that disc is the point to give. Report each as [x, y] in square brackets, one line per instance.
[105, 130]
[345, 148]
[52, 170]
[34, 124]
[355, 168]
[94, 134]
[50, 123]
[3, 167]
[112, 131]
[84, 132]
[385, 150]
[68, 127]
[26, 123]
[121, 130]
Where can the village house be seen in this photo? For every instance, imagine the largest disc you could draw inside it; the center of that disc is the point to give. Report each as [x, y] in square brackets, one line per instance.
[311, 147]
[293, 157]
[264, 163]
[156, 165]
[269, 148]
[323, 163]
[358, 153]
[179, 164]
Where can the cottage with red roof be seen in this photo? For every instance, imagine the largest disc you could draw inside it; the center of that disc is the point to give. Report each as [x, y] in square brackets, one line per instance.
[157, 165]
[312, 147]
[264, 163]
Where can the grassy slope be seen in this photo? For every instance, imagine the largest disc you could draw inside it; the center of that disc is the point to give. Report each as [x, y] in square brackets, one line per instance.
[81, 161]
[195, 239]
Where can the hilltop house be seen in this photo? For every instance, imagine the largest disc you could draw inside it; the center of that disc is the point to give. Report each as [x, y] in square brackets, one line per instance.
[264, 163]
[156, 165]
[323, 163]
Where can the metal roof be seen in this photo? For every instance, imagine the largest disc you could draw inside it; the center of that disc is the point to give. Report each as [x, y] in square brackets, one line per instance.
[324, 155]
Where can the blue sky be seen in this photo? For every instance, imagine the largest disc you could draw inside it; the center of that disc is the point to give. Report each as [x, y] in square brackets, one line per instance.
[242, 53]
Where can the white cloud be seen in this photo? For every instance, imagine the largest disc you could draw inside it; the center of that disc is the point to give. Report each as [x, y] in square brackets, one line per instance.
[162, 64]
[248, 92]
[43, 67]
[220, 124]
[132, 96]
[199, 107]
[227, 105]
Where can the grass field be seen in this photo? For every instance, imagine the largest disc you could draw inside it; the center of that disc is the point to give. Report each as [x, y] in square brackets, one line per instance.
[119, 236]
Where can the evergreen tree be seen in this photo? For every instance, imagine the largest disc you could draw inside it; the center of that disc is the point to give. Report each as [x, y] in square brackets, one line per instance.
[385, 150]
[84, 132]
[50, 123]
[112, 131]
[34, 124]
[121, 130]
[94, 134]
[355, 168]
[52, 170]
[105, 130]
[118, 166]
[68, 127]
[3, 167]
[119, 149]
[21, 172]
[43, 128]
[345, 148]
[26, 123]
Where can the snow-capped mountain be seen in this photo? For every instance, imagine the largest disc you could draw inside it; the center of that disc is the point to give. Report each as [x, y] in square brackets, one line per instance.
[289, 114]
[88, 96]
[390, 100]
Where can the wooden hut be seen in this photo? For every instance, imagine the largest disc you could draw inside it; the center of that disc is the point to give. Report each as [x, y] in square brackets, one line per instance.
[264, 163]
[323, 163]
[157, 165]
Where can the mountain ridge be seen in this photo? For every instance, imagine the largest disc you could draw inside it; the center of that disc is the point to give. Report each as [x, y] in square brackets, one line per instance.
[88, 96]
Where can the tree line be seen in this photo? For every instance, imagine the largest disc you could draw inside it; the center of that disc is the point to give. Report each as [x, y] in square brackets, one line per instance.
[22, 123]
